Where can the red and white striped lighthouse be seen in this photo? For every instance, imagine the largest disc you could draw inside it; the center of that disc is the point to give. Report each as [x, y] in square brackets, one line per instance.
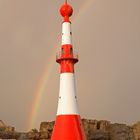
[68, 123]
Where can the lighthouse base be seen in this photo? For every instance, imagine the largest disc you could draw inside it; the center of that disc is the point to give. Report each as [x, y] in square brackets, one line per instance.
[68, 127]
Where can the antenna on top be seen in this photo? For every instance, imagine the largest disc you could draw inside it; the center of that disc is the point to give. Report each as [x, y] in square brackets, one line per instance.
[65, 1]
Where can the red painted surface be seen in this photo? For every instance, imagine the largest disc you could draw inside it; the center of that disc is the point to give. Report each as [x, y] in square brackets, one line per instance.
[66, 11]
[67, 59]
[68, 127]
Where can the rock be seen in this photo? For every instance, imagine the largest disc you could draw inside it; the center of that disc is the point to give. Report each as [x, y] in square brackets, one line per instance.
[104, 130]
[94, 130]
[33, 135]
[46, 129]
[44, 135]
[136, 131]
[46, 126]
[86, 126]
[7, 132]
[92, 125]
[2, 124]
[9, 135]
[103, 125]
[10, 129]
[99, 135]
[119, 132]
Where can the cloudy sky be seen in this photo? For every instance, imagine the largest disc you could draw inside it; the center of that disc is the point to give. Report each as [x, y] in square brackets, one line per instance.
[106, 34]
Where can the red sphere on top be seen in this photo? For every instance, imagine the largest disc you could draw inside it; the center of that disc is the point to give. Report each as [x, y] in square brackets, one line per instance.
[66, 10]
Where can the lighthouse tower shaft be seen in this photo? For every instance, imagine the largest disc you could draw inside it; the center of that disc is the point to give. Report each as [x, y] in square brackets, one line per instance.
[68, 123]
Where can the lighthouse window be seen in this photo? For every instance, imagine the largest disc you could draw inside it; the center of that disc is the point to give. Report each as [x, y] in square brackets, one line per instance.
[62, 50]
[70, 50]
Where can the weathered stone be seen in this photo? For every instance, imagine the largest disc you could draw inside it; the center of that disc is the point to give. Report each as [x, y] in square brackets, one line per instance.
[44, 135]
[9, 129]
[33, 135]
[2, 124]
[136, 131]
[94, 130]
[104, 125]
[85, 126]
[99, 135]
[46, 126]
[119, 132]
[46, 129]
[7, 132]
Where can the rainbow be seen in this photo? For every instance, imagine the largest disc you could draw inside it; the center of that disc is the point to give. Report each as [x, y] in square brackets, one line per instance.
[42, 84]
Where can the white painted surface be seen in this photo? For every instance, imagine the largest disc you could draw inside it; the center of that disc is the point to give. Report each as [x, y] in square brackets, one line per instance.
[67, 103]
[66, 33]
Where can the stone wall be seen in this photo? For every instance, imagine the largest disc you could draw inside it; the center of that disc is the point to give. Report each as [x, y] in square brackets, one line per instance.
[94, 130]
[99, 130]
[7, 132]
[136, 131]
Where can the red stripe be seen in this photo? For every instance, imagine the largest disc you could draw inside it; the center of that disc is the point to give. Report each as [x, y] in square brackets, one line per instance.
[67, 59]
[67, 66]
[68, 127]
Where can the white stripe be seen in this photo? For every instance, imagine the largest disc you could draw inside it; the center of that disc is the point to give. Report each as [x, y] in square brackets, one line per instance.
[67, 103]
[66, 33]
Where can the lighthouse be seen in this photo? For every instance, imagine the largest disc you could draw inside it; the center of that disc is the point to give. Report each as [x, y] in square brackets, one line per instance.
[68, 124]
